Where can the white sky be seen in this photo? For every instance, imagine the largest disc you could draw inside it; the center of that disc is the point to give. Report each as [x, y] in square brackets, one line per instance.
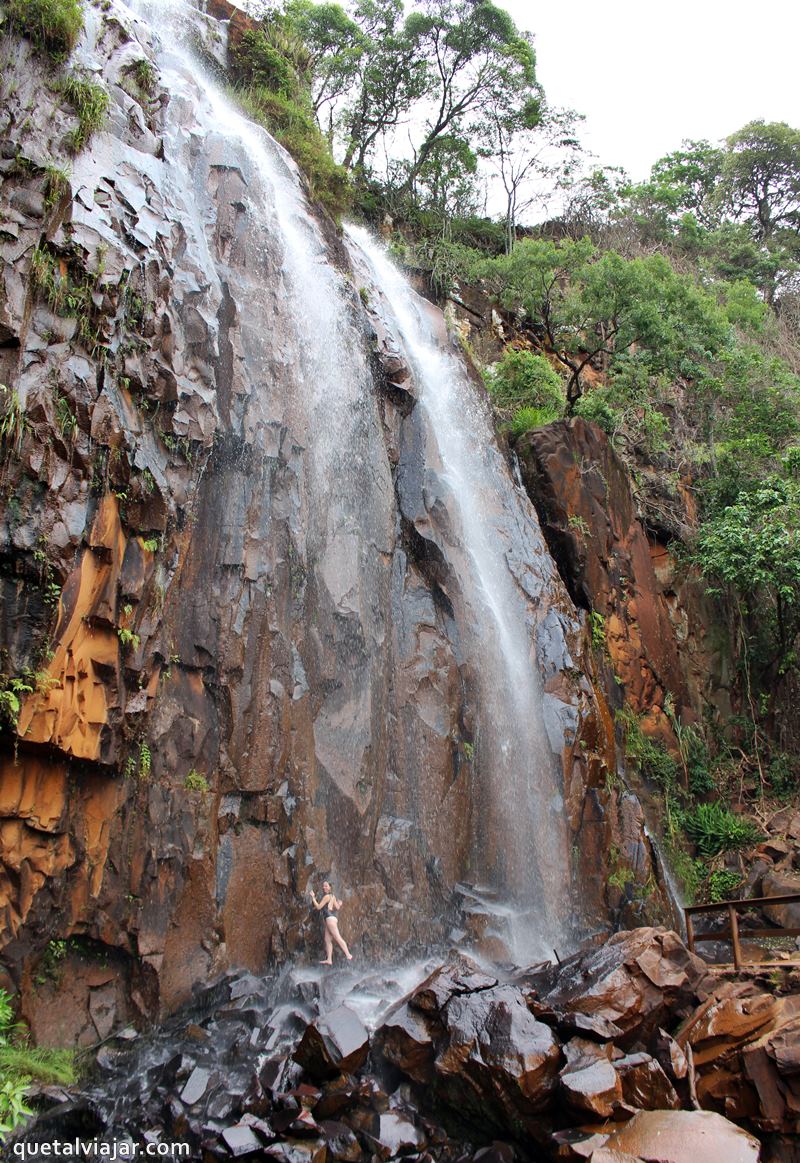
[648, 75]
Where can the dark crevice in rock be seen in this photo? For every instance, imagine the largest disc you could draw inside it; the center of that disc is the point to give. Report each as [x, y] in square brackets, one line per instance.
[430, 561]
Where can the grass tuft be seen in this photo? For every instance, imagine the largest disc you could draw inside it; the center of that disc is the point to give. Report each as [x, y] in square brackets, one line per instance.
[90, 102]
[52, 26]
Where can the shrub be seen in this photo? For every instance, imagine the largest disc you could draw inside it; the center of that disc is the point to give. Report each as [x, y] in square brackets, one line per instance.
[595, 406]
[20, 1064]
[264, 65]
[12, 692]
[722, 883]
[90, 102]
[715, 828]
[784, 776]
[526, 419]
[628, 402]
[68, 293]
[13, 1111]
[53, 26]
[597, 625]
[14, 424]
[651, 757]
[522, 379]
[144, 74]
[194, 781]
[56, 185]
[270, 68]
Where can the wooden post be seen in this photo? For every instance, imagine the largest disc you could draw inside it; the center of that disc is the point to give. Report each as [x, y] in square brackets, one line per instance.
[737, 951]
[689, 932]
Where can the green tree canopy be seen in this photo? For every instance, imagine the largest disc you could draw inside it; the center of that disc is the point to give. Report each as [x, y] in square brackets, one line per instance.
[591, 305]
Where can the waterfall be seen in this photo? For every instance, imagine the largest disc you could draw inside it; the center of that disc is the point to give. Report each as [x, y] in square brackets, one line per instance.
[468, 505]
[520, 844]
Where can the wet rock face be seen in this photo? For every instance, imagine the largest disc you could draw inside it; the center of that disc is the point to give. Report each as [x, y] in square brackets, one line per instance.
[196, 682]
[242, 680]
[661, 630]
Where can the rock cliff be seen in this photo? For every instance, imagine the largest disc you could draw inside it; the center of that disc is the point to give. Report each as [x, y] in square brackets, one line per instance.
[231, 631]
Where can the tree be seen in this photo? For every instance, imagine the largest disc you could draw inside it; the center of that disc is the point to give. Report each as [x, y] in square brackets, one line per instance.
[390, 78]
[734, 208]
[753, 545]
[446, 183]
[588, 306]
[591, 201]
[475, 60]
[335, 45]
[760, 181]
[760, 187]
[527, 147]
[684, 182]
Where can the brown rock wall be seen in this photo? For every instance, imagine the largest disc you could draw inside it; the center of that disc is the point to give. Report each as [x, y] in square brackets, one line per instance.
[583, 493]
[249, 667]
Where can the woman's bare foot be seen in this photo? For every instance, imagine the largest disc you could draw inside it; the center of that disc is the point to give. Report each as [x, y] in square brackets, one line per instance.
[349, 956]
[326, 963]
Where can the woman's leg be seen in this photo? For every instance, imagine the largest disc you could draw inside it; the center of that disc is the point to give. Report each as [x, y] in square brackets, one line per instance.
[333, 925]
[328, 947]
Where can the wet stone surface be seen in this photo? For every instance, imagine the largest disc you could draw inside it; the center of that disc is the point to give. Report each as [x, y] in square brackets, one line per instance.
[461, 1069]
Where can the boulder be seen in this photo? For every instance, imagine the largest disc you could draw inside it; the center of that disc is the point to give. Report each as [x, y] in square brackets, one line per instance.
[780, 882]
[196, 1086]
[495, 1064]
[335, 1043]
[684, 1137]
[460, 975]
[342, 1144]
[297, 1151]
[594, 1090]
[405, 1039]
[645, 1086]
[396, 1135]
[609, 1155]
[740, 1015]
[637, 980]
[241, 1140]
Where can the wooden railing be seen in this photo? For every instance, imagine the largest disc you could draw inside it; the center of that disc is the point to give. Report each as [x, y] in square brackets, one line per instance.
[732, 934]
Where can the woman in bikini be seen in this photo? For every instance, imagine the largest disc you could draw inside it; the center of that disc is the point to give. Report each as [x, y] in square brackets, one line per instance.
[329, 906]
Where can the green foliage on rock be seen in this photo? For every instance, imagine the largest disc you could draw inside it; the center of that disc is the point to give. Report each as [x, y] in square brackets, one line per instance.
[708, 827]
[53, 26]
[525, 388]
[90, 102]
[68, 289]
[722, 884]
[12, 692]
[196, 781]
[270, 71]
[293, 126]
[714, 828]
[22, 1064]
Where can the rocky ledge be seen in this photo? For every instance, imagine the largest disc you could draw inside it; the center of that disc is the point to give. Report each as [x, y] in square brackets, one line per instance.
[632, 1050]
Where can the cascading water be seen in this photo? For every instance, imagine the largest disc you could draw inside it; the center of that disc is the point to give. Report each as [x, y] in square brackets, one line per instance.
[468, 504]
[347, 523]
[489, 521]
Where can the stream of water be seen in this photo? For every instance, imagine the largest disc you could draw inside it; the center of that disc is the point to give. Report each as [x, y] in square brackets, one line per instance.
[488, 519]
[481, 521]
